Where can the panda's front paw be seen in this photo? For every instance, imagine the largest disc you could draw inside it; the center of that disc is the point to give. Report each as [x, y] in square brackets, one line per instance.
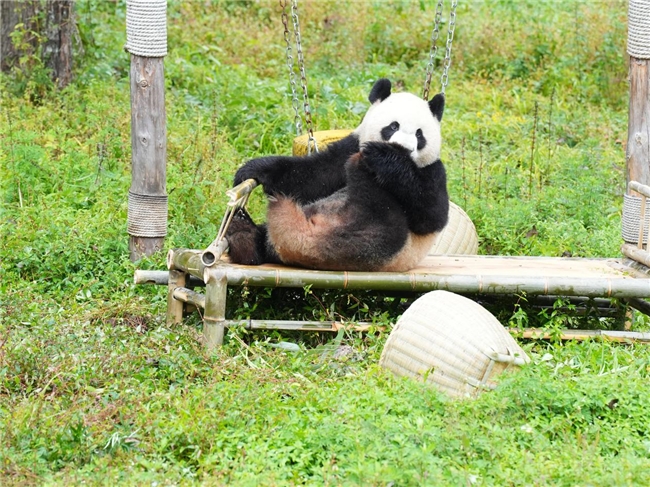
[378, 156]
[248, 171]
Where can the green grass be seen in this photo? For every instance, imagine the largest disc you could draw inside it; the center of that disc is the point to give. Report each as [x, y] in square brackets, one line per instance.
[95, 388]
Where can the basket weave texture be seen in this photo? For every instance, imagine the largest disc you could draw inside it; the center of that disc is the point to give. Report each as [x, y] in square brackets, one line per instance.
[452, 343]
[458, 237]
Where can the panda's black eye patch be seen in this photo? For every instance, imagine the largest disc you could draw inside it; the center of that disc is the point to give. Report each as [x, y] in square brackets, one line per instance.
[388, 131]
[421, 140]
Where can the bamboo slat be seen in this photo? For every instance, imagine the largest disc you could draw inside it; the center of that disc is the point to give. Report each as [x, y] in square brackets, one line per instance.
[455, 273]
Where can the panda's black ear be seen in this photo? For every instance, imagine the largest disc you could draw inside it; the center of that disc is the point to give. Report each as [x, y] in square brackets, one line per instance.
[437, 105]
[380, 90]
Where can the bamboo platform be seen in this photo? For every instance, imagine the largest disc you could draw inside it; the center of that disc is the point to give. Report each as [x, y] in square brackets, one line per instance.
[626, 278]
[470, 274]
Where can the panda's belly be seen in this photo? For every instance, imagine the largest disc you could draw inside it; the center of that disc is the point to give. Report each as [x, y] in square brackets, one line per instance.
[412, 253]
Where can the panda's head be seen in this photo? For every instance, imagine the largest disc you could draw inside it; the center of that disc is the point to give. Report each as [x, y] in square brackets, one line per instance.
[404, 119]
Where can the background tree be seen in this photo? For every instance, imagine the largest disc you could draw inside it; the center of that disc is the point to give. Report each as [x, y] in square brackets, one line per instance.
[38, 30]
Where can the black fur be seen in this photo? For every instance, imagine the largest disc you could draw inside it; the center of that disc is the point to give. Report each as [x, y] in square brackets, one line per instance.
[306, 179]
[380, 90]
[437, 105]
[421, 192]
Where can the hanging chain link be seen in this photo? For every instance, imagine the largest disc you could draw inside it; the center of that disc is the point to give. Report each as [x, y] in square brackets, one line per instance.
[292, 76]
[444, 79]
[434, 49]
[311, 142]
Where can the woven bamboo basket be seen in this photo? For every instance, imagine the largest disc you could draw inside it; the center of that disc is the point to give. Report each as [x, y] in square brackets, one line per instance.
[458, 237]
[452, 343]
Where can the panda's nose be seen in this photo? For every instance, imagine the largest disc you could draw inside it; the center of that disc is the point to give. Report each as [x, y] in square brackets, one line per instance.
[408, 141]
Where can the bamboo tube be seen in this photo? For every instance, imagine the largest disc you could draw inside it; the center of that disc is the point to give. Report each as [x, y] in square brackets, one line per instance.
[420, 281]
[242, 190]
[214, 252]
[614, 336]
[188, 296]
[640, 188]
[216, 286]
[174, 307]
[160, 278]
[636, 254]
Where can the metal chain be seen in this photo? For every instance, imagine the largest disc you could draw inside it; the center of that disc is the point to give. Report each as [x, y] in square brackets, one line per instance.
[444, 79]
[311, 141]
[434, 49]
[292, 76]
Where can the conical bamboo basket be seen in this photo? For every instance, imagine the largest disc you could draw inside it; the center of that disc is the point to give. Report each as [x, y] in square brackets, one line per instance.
[452, 343]
[458, 237]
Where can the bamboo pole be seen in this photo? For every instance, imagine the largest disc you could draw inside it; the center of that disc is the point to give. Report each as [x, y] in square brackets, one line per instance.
[189, 296]
[420, 281]
[637, 254]
[174, 307]
[161, 278]
[216, 287]
[613, 336]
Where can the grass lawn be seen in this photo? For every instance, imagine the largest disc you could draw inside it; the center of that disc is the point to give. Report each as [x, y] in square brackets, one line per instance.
[95, 388]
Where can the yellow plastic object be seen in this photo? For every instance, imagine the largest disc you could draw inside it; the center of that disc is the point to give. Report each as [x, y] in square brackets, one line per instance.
[323, 138]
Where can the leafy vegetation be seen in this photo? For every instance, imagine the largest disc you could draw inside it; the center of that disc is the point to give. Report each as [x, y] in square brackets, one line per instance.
[95, 388]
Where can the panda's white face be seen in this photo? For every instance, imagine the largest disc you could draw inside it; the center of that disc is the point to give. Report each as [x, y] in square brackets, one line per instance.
[404, 119]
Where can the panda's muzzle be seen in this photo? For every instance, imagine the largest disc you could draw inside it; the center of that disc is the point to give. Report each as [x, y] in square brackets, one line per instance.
[408, 141]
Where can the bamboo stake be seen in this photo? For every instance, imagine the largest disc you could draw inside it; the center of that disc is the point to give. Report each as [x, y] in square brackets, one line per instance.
[216, 287]
[190, 297]
[174, 307]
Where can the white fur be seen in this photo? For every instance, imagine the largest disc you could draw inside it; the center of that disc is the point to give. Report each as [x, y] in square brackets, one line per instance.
[412, 113]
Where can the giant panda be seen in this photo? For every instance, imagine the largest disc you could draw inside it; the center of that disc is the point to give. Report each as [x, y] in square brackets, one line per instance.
[372, 201]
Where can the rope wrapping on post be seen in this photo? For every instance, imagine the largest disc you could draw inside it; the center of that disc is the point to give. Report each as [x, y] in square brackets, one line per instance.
[146, 27]
[638, 29]
[632, 217]
[147, 215]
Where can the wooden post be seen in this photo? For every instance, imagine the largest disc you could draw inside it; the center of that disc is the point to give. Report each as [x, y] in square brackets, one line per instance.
[638, 130]
[147, 196]
[638, 153]
[146, 40]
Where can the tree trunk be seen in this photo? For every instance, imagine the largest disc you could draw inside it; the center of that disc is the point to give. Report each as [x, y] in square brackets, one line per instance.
[12, 13]
[55, 28]
[57, 50]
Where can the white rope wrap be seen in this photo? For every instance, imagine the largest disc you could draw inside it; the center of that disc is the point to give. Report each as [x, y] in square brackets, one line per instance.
[147, 215]
[146, 27]
[632, 217]
[638, 29]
